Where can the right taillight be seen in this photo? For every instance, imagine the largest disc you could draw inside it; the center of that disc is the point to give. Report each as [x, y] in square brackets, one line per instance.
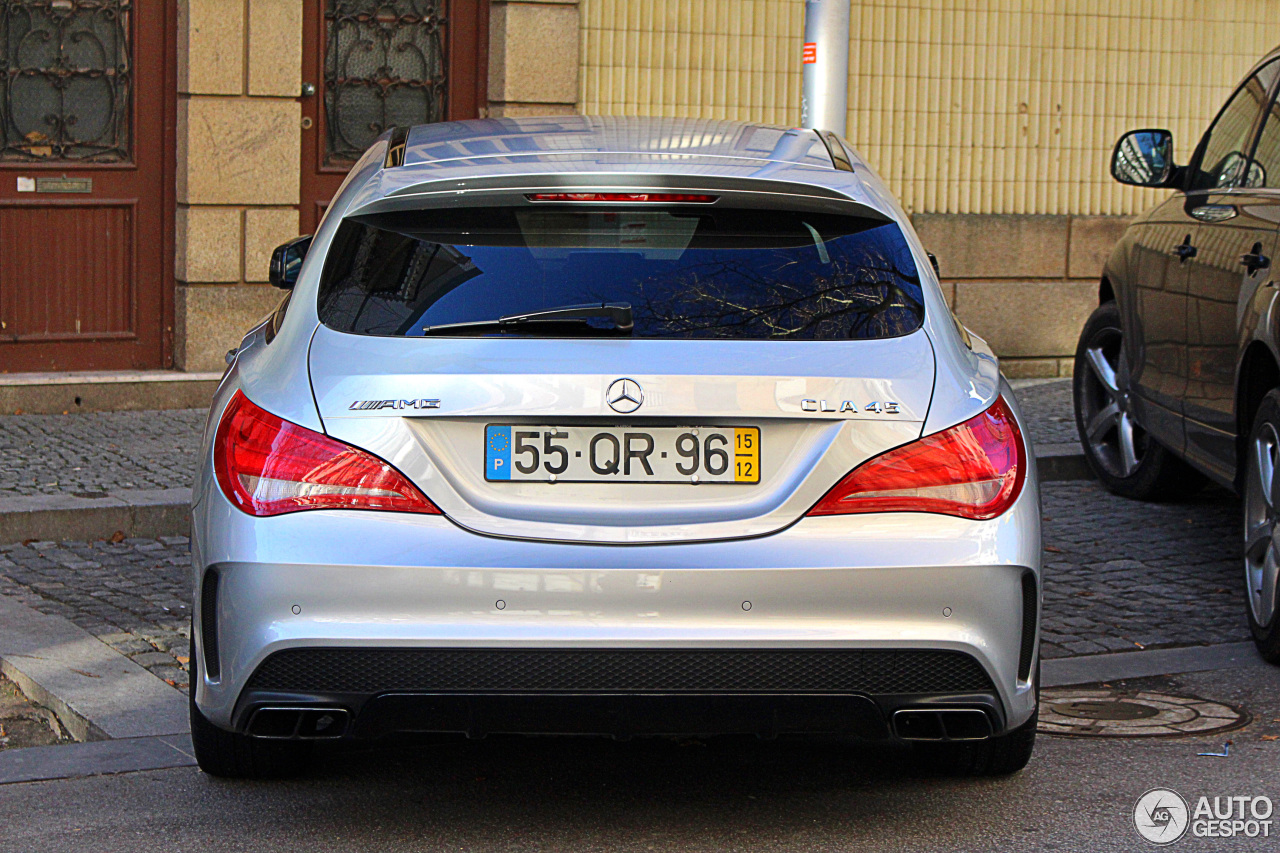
[975, 469]
[269, 466]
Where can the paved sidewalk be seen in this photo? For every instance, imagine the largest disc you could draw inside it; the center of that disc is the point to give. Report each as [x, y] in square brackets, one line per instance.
[132, 595]
[89, 455]
[1047, 409]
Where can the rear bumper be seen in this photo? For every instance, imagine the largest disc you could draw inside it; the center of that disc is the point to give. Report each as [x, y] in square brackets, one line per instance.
[378, 584]
[624, 691]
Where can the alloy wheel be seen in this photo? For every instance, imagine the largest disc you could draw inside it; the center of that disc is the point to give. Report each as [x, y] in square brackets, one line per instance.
[1113, 435]
[1260, 501]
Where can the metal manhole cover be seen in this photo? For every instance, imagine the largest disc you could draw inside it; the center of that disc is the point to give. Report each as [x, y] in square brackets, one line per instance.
[1116, 713]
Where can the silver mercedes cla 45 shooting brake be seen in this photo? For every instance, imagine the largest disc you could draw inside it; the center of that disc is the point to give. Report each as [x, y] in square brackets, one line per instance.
[620, 427]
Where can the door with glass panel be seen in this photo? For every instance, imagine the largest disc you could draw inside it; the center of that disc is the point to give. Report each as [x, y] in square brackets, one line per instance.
[369, 65]
[86, 178]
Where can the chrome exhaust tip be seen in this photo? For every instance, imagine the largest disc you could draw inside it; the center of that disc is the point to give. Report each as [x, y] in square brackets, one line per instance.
[299, 723]
[942, 724]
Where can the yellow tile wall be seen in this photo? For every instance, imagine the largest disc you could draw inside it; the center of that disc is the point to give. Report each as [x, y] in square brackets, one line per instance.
[964, 106]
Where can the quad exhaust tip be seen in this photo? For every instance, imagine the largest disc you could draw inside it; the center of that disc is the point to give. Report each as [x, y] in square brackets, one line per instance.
[299, 723]
[942, 724]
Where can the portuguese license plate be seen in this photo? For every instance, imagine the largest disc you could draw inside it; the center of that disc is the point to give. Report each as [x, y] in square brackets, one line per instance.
[622, 454]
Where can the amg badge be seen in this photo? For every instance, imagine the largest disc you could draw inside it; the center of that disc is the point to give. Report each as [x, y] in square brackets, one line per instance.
[373, 405]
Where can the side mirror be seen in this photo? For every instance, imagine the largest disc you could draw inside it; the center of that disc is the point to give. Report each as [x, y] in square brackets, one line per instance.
[1144, 158]
[286, 261]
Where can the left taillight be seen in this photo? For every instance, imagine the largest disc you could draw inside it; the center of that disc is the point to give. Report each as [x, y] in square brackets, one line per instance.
[975, 470]
[266, 465]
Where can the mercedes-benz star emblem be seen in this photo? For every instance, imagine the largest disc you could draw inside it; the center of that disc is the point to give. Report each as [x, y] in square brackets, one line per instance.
[624, 396]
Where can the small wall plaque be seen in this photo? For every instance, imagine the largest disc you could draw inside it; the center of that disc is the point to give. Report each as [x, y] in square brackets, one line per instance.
[64, 185]
[26, 185]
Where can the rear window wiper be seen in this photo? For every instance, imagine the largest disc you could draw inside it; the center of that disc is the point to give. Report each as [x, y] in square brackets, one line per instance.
[570, 318]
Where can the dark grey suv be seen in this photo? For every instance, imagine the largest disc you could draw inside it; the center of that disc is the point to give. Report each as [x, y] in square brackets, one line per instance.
[1176, 374]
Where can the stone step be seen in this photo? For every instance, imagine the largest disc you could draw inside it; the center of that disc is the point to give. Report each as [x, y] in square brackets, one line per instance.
[104, 391]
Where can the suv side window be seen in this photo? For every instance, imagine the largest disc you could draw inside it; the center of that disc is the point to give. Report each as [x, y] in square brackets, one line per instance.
[1265, 172]
[1225, 151]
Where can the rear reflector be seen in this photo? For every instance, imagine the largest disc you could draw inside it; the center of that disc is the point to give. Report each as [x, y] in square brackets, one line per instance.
[268, 466]
[973, 470]
[661, 198]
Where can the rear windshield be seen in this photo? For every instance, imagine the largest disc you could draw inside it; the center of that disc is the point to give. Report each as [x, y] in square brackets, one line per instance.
[684, 272]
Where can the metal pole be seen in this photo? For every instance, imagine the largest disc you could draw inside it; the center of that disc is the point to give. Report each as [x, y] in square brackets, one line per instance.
[825, 101]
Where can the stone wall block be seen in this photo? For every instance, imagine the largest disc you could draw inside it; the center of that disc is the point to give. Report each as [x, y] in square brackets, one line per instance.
[1092, 239]
[533, 53]
[275, 47]
[264, 229]
[989, 246]
[243, 151]
[208, 244]
[1027, 319]
[212, 318]
[210, 47]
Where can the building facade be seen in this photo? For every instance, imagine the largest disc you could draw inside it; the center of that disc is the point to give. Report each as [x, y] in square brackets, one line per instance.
[152, 152]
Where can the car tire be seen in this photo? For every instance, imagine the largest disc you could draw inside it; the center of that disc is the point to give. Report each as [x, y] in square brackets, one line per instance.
[231, 755]
[1123, 456]
[1261, 511]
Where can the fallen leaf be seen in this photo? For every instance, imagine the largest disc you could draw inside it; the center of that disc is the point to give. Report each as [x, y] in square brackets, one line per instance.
[1052, 549]
[1271, 737]
[117, 537]
[183, 659]
[85, 674]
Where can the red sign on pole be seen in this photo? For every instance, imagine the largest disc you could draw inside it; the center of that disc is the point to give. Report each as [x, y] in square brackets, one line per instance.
[810, 54]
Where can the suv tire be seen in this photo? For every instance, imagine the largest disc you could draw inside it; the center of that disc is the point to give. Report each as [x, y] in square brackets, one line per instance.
[1125, 458]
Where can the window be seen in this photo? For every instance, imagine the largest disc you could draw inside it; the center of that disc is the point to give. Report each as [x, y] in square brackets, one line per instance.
[1226, 148]
[1266, 156]
[744, 274]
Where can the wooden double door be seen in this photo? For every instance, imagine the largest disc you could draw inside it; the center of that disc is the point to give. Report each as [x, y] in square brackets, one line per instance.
[87, 110]
[369, 65]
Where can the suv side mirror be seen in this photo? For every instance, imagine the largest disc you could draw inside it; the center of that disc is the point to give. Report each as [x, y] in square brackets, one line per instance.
[286, 261]
[1144, 158]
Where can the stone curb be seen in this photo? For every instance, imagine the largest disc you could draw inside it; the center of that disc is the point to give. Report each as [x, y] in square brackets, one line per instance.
[1091, 669]
[145, 513]
[96, 692]
[74, 760]
[1058, 462]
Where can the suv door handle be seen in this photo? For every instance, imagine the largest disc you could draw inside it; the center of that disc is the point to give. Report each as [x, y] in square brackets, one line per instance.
[1255, 260]
[1185, 250]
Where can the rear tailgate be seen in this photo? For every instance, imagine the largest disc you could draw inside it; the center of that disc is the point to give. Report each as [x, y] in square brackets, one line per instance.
[821, 408]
